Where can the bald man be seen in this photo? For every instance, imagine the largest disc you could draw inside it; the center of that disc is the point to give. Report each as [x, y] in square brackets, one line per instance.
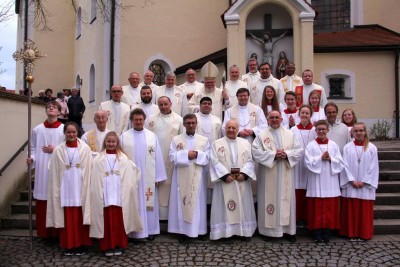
[95, 137]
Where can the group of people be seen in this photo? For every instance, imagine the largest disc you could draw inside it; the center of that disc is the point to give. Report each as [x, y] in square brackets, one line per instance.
[164, 153]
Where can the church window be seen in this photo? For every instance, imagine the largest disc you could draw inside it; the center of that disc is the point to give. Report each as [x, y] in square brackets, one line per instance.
[339, 85]
[159, 74]
[92, 85]
[332, 15]
[93, 10]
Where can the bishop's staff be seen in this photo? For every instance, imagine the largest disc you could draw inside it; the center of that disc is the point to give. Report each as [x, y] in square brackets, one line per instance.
[28, 55]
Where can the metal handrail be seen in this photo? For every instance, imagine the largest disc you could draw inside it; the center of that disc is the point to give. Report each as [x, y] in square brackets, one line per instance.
[13, 158]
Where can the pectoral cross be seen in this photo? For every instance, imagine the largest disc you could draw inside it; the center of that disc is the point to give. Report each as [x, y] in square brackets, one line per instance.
[148, 194]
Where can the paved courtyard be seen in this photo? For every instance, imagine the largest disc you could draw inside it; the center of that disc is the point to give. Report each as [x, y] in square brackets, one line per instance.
[165, 250]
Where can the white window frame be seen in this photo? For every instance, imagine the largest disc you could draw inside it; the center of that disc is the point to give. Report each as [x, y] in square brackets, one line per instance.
[349, 84]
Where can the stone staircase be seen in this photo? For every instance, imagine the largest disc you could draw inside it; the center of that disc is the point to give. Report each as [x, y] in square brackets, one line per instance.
[386, 209]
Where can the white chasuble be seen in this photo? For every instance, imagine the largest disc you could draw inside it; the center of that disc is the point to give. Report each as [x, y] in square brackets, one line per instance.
[165, 127]
[276, 173]
[232, 155]
[189, 177]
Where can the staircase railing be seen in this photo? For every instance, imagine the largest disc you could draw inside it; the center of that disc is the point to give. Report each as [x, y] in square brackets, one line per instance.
[8, 163]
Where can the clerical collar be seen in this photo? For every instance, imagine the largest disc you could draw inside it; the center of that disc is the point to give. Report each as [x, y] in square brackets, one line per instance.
[115, 102]
[308, 126]
[204, 115]
[287, 111]
[359, 143]
[230, 140]
[320, 142]
[190, 135]
[166, 115]
[139, 131]
[72, 143]
[55, 124]
[242, 107]
[267, 79]
[113, 151]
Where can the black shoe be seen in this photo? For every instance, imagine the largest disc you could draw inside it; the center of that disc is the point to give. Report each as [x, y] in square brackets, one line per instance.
[69, 252]
[202, 237]
[245, 238]
[269, 238]
[151, 237]
[290, 238]
[80, 251]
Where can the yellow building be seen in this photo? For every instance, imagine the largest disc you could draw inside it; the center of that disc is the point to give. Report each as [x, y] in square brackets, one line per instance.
[352, 46]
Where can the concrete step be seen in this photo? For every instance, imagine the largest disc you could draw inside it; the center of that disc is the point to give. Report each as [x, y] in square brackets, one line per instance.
[388, 187]
[387, 211]
[389, 175]
[386, 226]
[387, 199]
[18, 221]
[23, 207]
[393, 165]
[389, 155]
[24, 195]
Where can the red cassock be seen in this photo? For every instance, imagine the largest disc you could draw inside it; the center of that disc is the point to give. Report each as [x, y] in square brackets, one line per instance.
[323, 213]
[74, 234]
[301, 205]
[40, 211]
[114, 230]
[357, 218]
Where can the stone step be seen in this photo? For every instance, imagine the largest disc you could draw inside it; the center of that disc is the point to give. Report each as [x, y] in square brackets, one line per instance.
[387, 211]
[18, 221]
[23, 207]
[386, 226]
[389, 155]
[387, 199]
[24, 195]
[393, 165]
[388, 187]
[389, 175]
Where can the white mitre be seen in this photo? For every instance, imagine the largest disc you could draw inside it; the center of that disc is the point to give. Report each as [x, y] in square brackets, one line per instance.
[209, 71]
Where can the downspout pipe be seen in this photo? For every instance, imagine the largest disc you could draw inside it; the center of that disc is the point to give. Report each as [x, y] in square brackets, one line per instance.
[112, 43]
[396, 85]
[25, 39]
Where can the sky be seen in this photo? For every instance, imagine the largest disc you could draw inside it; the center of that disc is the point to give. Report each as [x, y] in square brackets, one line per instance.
[8, 40]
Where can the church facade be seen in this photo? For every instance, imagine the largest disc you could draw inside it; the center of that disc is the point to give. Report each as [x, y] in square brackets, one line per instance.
[351, 46]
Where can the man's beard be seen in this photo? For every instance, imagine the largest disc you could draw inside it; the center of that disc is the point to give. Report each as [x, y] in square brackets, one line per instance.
[146, 100]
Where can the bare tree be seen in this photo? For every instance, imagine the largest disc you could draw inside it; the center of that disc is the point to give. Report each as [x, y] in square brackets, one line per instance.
[6, 11]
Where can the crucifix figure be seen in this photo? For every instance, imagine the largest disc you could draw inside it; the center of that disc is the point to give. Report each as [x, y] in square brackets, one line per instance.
[264, 37]
[148, 194]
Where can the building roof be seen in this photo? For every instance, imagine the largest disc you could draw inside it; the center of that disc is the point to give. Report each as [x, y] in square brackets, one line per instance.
[360, 38]
[216, 57]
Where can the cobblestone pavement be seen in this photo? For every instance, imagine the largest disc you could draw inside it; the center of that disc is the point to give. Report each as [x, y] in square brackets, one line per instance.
[167, 251]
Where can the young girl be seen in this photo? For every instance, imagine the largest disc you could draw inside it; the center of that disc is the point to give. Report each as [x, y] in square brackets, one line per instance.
[305, 133]
[290, 117]
[323, 159]
[113, 197]
[314, 99]
[270, 101]
[349, 118]
[359, 181]
[68, 185]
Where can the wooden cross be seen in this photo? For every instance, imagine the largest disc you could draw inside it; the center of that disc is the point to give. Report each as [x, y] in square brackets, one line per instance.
[148, 194]
[268, 28]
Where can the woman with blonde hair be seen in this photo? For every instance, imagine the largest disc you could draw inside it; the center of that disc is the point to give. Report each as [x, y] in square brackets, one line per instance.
[314, 100]
[359, 181]
[349, 118]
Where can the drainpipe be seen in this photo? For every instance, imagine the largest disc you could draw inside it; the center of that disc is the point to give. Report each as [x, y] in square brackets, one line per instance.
[112, 43]
[396, 87]
[25, 38]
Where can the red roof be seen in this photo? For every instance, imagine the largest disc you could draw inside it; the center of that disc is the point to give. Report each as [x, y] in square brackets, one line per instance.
[359, 37]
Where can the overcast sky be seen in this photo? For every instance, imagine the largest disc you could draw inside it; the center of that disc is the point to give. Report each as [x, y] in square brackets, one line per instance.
[8, 40]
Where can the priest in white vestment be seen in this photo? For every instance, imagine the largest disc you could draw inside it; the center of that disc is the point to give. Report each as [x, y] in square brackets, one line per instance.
[94, 138]
[117, 111]
[165, 125]
[251, 118]
[131, 94]
[190, 154]
[323, 159]
[150, 109]
[191, 84]
[338, 131]
[142, 147]
[266, 78]
[291, 80]
[208, 126]
[148, 78]
[303, 91]
[359, 181]
[232, 170]
[220, 97]
[278, 151]
[234, 84]
[174, 93]
[45, 137]
[253, 75]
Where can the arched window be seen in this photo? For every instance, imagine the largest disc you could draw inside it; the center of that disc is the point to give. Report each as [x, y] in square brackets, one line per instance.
[159, 73]
[93, 10]
[92, 85]
[78, 23]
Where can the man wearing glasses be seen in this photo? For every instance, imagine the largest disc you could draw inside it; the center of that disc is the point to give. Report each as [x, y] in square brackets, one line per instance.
[117, 112]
